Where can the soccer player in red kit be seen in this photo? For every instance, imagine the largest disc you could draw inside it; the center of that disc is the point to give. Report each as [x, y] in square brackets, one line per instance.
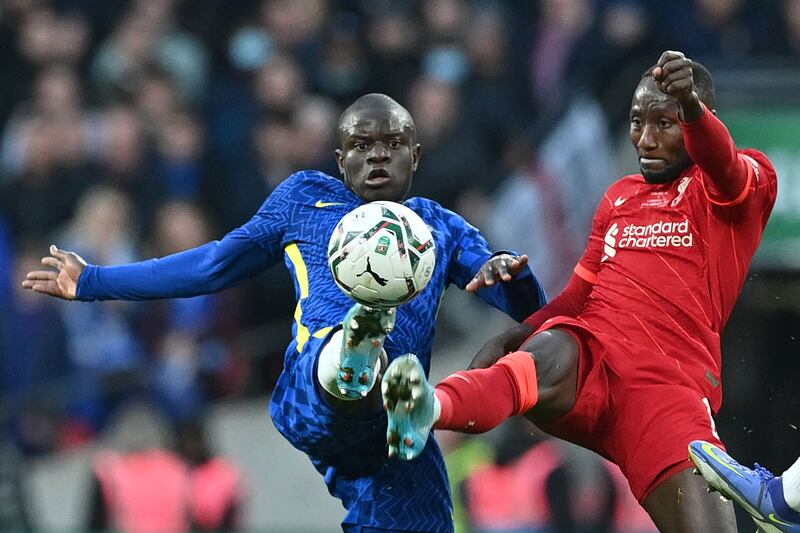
[626, 360]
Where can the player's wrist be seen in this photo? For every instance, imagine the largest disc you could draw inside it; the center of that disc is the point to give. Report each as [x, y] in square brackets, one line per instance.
[691, 108]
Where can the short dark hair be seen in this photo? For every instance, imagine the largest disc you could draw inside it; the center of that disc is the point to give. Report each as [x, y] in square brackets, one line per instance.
[703, 82]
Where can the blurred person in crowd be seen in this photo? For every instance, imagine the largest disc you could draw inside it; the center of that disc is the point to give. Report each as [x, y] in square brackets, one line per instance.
[326, 402]
[216, 487]
[494, 91]
[562, 28]
[102, 342]
[393, 36]
[140, 485]
[342, 70]
[123, 158]
[189, 337]
[537, 484]
[14, 514]
[50, 181]
[179, 161]
[157, 97]
[463, 454]
[148, 35]
[34, 363]
[314, 123]
[296, 27]
[447, 174]
[626, 360]
[445, 20]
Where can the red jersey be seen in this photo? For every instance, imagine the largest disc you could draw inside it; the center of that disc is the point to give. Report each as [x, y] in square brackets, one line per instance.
[668, 261]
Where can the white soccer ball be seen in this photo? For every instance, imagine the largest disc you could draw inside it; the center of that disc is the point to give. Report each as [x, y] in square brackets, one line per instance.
[381, 254]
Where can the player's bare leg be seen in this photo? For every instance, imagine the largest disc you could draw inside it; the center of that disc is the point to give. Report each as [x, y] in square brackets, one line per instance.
[556, 354]
[682, 504]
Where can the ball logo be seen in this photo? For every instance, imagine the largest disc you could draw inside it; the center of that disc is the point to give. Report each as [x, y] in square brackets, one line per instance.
[383, 245]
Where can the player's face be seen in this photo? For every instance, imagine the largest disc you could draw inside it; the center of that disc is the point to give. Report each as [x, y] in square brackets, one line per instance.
[656, 134]
[378, 154]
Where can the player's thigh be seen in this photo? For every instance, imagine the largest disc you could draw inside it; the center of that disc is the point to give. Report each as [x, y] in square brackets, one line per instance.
[556, 352]
[681, 504]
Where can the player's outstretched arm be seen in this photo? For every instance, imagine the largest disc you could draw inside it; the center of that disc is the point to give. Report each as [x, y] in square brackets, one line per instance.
[61, 282]
[500, 268]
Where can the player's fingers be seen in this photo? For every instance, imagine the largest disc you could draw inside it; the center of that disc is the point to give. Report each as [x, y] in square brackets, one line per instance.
[55, 251]
[52, 262]
[41, 275]
[502, 269]
[47, 287]
[657, 73]
[669, 55]
[488, 277]
[474, 284]
[684, 73]
[679, 86]
[676, 64]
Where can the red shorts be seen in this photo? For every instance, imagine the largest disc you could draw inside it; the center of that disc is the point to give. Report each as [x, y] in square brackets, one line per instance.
[642, 425]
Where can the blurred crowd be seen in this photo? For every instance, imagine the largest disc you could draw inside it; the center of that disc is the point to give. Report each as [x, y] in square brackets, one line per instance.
[137, 128]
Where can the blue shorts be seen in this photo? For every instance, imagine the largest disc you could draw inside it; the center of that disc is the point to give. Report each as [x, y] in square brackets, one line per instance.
[350, 453]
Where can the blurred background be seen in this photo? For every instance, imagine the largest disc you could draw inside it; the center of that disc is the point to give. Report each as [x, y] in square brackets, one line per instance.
[136, 128]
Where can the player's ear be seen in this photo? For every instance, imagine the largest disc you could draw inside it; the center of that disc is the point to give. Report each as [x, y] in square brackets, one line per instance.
[416, 153]
[339, 155]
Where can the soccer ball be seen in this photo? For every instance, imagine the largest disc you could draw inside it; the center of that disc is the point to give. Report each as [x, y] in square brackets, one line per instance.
[381, 254]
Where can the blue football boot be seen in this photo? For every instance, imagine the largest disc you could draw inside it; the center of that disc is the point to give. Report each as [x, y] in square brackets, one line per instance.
[411, 406]
[364, 330]
[757, 490]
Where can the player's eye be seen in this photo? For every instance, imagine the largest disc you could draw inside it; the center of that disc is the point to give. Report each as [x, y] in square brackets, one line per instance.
[664, 123]
[636, 122]
[361, 147]
[394, 144]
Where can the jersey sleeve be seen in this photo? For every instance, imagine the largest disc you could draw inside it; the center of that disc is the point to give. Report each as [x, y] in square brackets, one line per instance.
[239, 255]
[518, 298]
[733, 178]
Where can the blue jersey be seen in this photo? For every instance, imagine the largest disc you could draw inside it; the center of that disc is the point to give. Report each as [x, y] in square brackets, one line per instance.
[295, 223]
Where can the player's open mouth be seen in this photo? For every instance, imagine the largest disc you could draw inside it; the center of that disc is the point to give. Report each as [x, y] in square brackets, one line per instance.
[378, 178]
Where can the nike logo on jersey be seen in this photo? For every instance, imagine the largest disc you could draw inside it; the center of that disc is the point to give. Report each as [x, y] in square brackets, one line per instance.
[322, 204]
[619, 201]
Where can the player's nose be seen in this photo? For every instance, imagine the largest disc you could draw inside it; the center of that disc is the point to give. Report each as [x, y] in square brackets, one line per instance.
[647, 140]
[379, 153]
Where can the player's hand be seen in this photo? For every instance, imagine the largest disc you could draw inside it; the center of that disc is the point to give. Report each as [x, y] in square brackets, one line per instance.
[502, 267]
[61, 283]
[503, 344]
[673, 75]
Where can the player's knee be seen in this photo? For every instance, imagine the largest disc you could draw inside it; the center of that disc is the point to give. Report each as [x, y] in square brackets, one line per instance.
[556, 355]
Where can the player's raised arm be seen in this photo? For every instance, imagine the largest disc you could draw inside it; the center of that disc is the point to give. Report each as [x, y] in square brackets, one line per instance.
[707, 140]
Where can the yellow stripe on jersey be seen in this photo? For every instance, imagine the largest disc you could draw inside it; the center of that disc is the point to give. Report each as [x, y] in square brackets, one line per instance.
[301, 274]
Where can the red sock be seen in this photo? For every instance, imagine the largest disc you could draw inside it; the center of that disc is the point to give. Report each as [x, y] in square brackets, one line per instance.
[475, 401]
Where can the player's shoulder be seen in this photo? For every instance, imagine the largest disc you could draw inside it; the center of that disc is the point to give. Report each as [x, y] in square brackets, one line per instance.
[621, 188]
[431, 210]
[760, 162]
[310, 186]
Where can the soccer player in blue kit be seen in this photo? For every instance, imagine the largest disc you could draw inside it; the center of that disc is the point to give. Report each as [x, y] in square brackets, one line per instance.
[326, 402]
